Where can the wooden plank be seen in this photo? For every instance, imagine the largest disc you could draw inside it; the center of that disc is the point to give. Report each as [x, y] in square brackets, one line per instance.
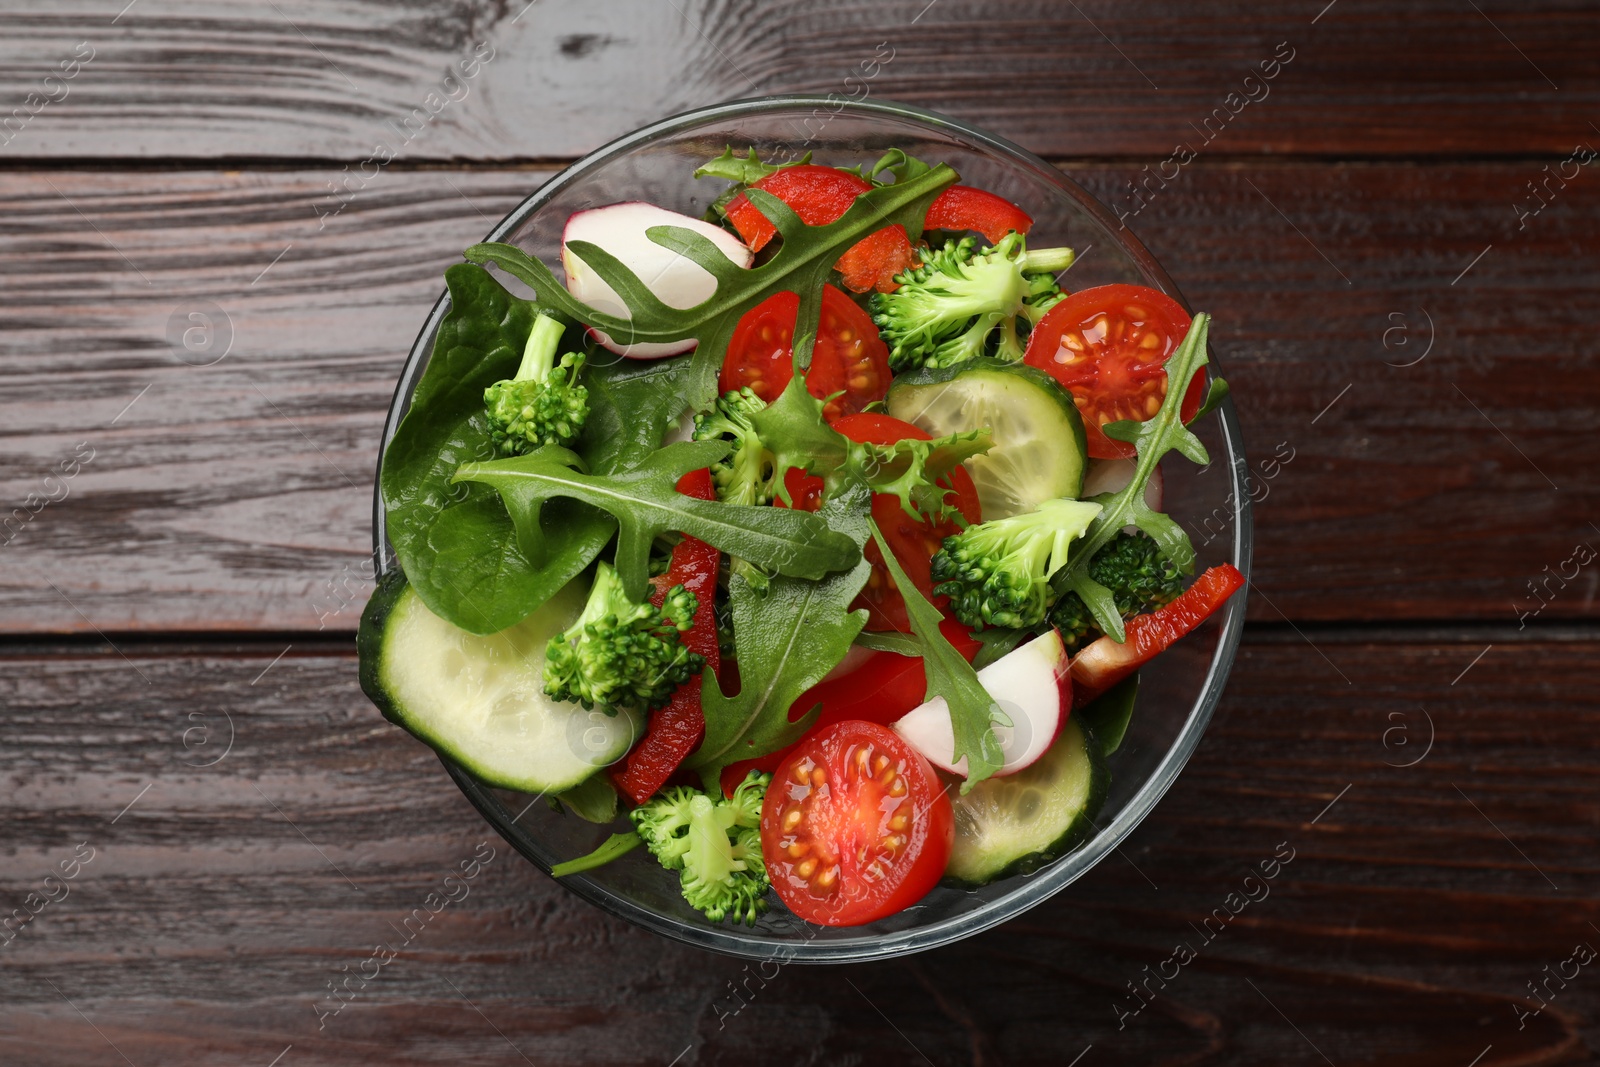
[326, 78]
[227, 887]
[237, 495]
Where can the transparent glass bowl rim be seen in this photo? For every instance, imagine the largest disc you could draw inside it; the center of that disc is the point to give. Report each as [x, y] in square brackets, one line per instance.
[1028, 891]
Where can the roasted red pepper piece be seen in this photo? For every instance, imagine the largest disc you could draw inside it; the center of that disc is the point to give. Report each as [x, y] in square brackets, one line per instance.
[677, 729]
[819, 195]
[961, 207]
[1105, 662]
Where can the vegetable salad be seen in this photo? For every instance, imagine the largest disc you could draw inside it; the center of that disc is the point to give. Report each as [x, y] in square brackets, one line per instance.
[813, 544]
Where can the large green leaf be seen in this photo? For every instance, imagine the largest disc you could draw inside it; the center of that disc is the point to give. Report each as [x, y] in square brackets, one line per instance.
[788, 638]
[801, 265]
[645, 502]
[456, 543]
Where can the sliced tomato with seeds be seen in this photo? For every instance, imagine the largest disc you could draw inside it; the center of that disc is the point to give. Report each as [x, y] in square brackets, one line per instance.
[848, 356]
[961, 207]
[1109, 346]
[912, 541]
[819, 195]
[855, 826]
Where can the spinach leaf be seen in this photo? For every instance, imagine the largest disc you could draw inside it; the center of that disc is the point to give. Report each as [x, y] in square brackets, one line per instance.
[632, 403]
[787, 639]
[972, 710]
[1108, 714]
[645, 503]
[802, 265]
[456, 543]
[1152, 439]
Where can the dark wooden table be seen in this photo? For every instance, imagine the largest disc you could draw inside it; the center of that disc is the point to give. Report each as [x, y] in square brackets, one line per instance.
[1402, 249]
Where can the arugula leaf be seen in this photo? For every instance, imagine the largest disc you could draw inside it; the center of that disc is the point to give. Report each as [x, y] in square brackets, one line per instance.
[646, 503]
[746, 170]
[997, 641]
[801, 265]
[793, 430]
[787, 639]
[902, 166]
[456, 543]
[889, 641]
[611, 848]
[972, 710]
[1152, 439]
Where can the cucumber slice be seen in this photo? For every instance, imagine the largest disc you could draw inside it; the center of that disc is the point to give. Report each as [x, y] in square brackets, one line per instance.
[1018, 823]
[1039, 452]
[479, 700]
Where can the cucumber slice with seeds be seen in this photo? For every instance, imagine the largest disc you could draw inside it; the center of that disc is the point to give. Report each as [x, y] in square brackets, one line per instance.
[1039, 452]
[479, 700]
[1018, 823]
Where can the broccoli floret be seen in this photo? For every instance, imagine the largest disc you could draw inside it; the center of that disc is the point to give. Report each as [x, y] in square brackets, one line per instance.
[620, 653]
[946, 310]
[1140, 578]
[998, 573]
[746, 476]
[714, 844]
[543, 404]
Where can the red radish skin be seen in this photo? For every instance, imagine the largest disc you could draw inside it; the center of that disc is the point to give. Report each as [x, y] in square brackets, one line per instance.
[621, 229]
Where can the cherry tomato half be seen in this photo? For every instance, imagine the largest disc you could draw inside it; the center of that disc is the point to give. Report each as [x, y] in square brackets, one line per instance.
[912, 541]
[855, 826]
[848, 355]
[1108, 346]
[819, 195]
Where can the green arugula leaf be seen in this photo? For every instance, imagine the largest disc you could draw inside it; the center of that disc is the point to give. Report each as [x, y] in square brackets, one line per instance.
[889, 641]
[1153, 439]
[613, 847]
[793, 429]
[997, 641]
[746, 170]
[788, 639]
[903, 167]
[456, 543]
[801, 265]
[645, 503]
[972, 710]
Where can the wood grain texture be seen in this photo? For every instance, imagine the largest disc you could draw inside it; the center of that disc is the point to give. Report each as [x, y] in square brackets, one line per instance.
[237, 495]
[223, 898]
[302, 79]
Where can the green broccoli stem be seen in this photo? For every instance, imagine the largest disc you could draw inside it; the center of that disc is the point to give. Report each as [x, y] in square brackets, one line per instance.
[1048, 260]
[539, 354]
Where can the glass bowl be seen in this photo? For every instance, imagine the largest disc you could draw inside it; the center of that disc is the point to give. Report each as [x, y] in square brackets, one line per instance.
[1178, 690]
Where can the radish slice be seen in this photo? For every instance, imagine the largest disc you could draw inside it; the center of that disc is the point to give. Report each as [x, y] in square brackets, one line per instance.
[676, 280]
[1112, 475]
[1032, 687]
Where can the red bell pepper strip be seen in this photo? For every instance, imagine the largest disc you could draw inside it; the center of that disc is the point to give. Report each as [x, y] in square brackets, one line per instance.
[677, 729]
[881, 690]
[961, 207]
[1104, 662]
[819, 195]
